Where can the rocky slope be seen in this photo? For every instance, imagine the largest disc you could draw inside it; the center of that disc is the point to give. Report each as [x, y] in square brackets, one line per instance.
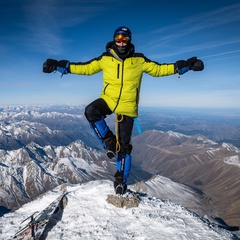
[196, 161]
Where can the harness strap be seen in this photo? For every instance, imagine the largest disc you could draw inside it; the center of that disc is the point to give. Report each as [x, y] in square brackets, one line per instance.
[120, 118]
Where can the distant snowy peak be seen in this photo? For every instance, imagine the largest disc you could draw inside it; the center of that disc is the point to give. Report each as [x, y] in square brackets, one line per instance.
[24, 128]
[177, 135]
[169, 133]
[205, 140]
[34, 114]
[171, 138]
[197, 138]
[230, 147]
[39, 108]
[56, 125]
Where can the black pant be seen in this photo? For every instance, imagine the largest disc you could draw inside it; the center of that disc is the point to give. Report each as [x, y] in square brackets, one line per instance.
[99, 109]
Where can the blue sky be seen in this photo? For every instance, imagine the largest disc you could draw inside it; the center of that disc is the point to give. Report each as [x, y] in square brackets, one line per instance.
[78, 30]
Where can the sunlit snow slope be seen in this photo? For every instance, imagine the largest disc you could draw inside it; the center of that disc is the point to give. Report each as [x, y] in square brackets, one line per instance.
[89, 216]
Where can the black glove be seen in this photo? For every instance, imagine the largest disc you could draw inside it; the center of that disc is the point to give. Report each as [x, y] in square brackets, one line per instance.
[52, 65]
[193, 63]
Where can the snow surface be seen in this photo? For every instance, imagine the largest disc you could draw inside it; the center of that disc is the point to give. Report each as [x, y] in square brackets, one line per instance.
[230, 147]
[89, 216]
[233, 160]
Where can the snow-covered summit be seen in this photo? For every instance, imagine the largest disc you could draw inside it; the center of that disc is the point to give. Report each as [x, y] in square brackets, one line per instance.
[89, 216]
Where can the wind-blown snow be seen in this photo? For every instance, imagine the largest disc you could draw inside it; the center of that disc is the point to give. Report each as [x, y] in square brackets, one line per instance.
[89, 216]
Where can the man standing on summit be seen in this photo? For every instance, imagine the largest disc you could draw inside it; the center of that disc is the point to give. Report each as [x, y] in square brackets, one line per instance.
[122, 74]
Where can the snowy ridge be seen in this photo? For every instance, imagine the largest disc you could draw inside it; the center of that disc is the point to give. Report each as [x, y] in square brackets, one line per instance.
[230, 147]
[233, 160]
[88, 216]
[175, 134]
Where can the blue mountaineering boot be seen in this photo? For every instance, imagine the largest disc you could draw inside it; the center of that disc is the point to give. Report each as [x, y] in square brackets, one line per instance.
[106, 136]
[123, 166]
[120, 188]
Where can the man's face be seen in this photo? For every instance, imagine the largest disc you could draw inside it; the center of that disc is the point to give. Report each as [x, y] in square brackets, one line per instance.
[122, 44]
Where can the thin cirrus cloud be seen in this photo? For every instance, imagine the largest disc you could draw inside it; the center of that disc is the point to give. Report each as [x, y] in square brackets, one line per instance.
[200, 25]
[47, 19]
[206, 20]
[197, 24]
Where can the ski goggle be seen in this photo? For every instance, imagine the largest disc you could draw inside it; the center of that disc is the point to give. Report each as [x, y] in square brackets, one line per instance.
[121, 38]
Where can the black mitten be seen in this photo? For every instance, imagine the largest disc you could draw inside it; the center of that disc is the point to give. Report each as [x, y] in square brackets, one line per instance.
[192, 63]
[50, 65]
[198, 65]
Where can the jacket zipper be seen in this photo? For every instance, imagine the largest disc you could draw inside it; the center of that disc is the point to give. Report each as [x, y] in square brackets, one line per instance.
[120, 92]
[118, 67]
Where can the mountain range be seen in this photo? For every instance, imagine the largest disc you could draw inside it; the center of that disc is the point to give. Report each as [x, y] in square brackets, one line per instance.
[196, 161]
[45, 146]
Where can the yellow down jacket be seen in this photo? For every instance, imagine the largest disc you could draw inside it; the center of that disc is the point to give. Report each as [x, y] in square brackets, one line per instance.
[121, 78]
